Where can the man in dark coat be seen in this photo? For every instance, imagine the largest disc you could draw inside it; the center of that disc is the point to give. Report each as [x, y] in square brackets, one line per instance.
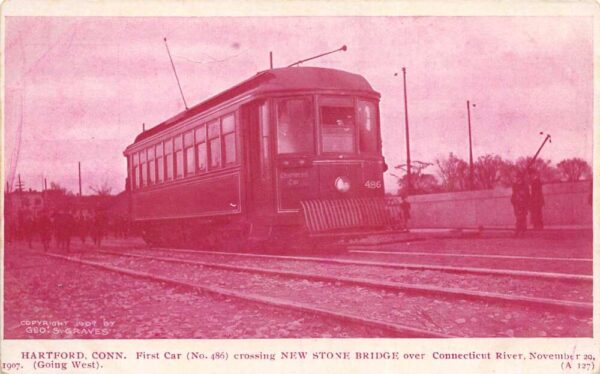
[69, 226]
[520, 202]
[83, 228]
[99, 228]
[45, 230]
[29, 229]
[536, 203]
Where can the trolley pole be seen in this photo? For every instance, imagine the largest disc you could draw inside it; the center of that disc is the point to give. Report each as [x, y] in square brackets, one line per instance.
[470, 145]
[530, 163]
[408, 171]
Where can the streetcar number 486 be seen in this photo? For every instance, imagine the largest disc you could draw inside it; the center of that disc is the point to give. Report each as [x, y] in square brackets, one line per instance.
[373, 184]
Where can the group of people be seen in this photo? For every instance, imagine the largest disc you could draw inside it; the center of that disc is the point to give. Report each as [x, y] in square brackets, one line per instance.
[527, 198]
[62, 226]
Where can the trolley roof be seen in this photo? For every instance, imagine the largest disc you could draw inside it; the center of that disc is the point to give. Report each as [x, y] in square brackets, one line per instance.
[283, 79]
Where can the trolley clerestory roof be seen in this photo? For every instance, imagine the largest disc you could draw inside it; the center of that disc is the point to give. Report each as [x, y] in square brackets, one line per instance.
[283, 79]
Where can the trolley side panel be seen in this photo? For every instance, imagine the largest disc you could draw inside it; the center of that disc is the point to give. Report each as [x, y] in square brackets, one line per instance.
[219, 195]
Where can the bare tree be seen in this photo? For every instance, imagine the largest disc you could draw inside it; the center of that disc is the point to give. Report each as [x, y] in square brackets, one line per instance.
[489, 170]
[454, 173]
[102, 189]
[543, 168]
[574, 169]
[55, 186]
[421, 183]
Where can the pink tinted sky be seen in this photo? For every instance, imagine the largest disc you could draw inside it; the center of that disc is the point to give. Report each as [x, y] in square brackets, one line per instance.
[78, 89]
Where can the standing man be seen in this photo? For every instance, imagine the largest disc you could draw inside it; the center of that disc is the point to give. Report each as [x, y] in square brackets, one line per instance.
[69, 226]
[520, 203]
[537, 202]
[59, 229]
[99, 229]
[45, 229]
[29, 228]
[82, 228]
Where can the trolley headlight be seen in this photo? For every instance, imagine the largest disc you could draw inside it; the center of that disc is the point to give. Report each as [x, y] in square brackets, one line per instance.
[342, 184]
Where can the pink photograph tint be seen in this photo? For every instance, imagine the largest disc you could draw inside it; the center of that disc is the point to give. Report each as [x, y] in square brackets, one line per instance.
[298, 177]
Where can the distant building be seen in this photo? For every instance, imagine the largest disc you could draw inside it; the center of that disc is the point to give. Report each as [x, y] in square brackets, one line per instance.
[23, 204]
[30, 203]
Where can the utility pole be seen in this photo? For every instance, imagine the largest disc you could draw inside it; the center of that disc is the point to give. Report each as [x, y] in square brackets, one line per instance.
[19, 184]
[79, 168]
[408, 171]
[271, 60]
[470, 145]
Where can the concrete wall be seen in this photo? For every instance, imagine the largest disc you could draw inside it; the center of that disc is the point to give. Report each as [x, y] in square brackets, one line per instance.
[566, 204]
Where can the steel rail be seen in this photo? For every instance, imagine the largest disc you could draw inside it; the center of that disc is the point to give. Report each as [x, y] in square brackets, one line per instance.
[397, 329]
[394, 286]
[398, 265]
[473, 255]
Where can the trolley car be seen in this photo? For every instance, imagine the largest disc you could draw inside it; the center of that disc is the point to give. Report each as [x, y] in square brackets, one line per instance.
[290, 151]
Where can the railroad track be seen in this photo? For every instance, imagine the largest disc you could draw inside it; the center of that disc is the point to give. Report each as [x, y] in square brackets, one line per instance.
[472, 255]
[396, 265]
[398, 330]
[393, 286]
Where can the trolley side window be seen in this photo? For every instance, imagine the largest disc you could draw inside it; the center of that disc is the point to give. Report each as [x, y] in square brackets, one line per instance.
[295, 126]
[144, 169]
[200, 134]
[337, 124]
[130, 172]
[190, 159]
[178, 148]
[228, 128]
[136, 171]
[367, 126]
[160, 164]
[214, 144]
[151, 166]
[169, 159]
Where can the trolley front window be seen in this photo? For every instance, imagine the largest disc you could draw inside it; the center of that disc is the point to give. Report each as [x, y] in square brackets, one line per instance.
[295, 126]
[228, 128]
[266, 141]
[367, 126]
[337, 125]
